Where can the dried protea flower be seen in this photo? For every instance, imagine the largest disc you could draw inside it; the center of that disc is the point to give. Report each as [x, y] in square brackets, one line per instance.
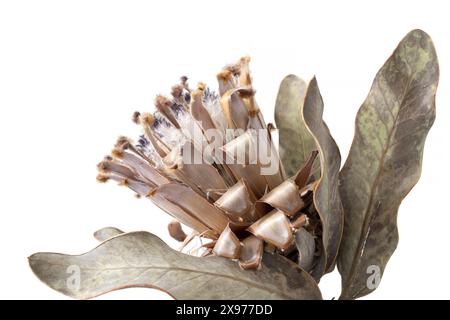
[200, 160]
[208, 159]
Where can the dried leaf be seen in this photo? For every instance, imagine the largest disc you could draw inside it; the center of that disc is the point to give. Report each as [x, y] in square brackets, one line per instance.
[140, 259]
[326, 195]
[296, 142]
[106, 233]
[306, 247]
[385, 159]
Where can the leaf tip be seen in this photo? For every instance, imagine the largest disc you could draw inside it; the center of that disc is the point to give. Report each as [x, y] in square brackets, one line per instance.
[419, 33]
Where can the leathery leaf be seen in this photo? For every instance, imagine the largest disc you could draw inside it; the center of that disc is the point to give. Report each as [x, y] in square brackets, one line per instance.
[140, 259]
[385, 160]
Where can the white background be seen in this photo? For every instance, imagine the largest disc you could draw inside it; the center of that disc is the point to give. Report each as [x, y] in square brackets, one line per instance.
[72, 73]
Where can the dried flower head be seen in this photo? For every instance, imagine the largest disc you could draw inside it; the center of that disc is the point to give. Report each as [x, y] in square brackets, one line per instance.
[208, 159]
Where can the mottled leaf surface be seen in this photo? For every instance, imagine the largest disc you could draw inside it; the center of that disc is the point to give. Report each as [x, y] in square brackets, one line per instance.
[295, 141]
[140, 259]
[385, 159]
[326, 193]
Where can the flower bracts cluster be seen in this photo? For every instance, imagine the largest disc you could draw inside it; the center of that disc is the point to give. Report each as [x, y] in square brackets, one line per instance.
[199, 159]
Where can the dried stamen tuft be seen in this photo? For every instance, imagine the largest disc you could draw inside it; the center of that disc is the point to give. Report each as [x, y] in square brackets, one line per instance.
[184, 80]
[235, 69]
[117, 153]
[225, 75]
[102, 178]
[121, 141]
[162, 102]
[147, 119]
[201, 86]
[135, 117]
[177, 91]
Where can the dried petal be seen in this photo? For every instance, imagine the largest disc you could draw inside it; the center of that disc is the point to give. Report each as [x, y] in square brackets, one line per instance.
[193, 204]
[163, 104]
[243, 163]
[228, 245]
[285, 197]
[234, 108]
[238, 202]
[251, 252]
[182, 215]
[198, 174]
[274, 228]
[144, 169]
[199, 112]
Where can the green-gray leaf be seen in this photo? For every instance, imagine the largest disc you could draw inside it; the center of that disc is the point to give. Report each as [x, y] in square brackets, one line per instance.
[385, 160]
[326, 193]
[106, 233]
[140, 259]
[306, 247]
[295, 141]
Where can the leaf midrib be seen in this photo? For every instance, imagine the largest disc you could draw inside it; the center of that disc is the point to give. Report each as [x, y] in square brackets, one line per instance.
[355, 260]
[248, 283]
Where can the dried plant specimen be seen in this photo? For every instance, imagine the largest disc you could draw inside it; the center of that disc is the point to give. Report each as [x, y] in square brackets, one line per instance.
[265, 225]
